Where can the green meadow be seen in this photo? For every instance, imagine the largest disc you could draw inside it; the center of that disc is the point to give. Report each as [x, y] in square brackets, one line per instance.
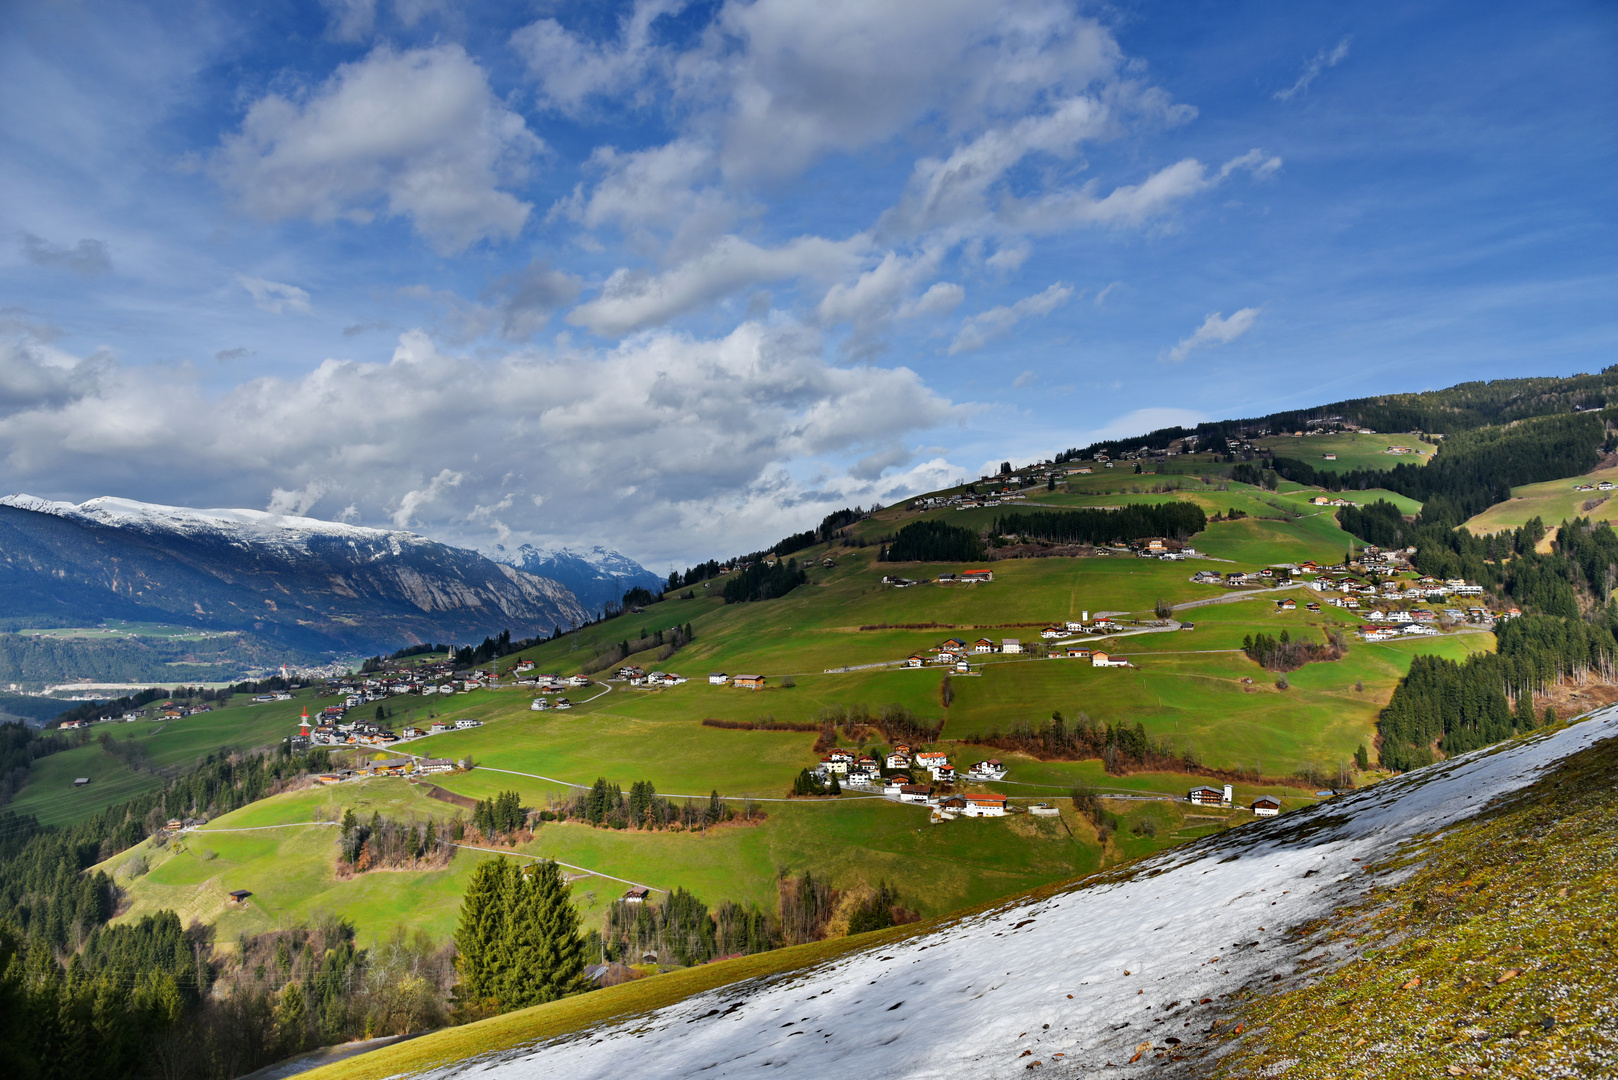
[1553, 502]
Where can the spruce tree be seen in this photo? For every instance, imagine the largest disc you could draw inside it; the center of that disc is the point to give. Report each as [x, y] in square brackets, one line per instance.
[480, 940]
[545, 948]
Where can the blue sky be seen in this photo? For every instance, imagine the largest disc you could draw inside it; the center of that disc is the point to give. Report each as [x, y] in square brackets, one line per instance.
[681, 278]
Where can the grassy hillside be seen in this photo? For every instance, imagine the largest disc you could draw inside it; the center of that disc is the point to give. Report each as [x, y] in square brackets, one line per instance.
[1552, 502]
[1416, 975]
[164, 745]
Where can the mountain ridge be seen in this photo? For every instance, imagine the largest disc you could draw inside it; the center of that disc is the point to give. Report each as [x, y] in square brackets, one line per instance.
[307, 584]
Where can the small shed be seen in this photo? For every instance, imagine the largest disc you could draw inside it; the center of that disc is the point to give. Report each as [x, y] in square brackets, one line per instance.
[239, 896]
[81, 781]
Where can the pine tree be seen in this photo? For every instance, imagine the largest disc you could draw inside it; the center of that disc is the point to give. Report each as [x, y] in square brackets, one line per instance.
[480, 940]
[544, 945]
[836, 788]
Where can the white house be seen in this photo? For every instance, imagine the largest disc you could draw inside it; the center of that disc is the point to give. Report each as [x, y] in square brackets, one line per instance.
[984, 805]
[897, 760]
[1010, 645]
[914, 793]
[539, 704]
[987, 770]
[463, 724]
[717, 678]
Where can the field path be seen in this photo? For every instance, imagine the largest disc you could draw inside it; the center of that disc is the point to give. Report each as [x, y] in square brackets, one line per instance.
[671, 794]
[558, 862]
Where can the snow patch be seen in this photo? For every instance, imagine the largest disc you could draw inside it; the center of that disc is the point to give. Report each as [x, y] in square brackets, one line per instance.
[1092, 973]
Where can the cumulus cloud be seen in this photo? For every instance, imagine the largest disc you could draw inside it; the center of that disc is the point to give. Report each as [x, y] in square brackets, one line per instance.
[632, 300]
[1214, 330]
[417, 134]
[980, 329]
[1311, 71]
[672, 445]
[87, 257]
[571, 69]
[274, 296]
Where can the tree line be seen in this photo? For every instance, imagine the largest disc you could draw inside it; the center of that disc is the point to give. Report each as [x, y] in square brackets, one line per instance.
[1283, 653]
[932, 541]
[1177, 520]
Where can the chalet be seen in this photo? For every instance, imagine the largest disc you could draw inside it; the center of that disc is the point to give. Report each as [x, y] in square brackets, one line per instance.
[1312, 606]
[562, 703]
[914, 793]
[932, 761]
[1286, 605]
[1210, 796]
[983, 645]
[1052, 632]
[962, 667]
[953, 645]
[1329, 457]
[434, 765]
[972, 576]
[1078, 654]
[916, 660]
[1073, 627]
[944, 774]
[636, 895]
[539, 704]
[985, 805]
[991, 769]
[893, 785]
[1265, 806]
[463, 725]
[748, 682]
[438, 727]
[1101, 659]
[717, 678]
[1010, 645]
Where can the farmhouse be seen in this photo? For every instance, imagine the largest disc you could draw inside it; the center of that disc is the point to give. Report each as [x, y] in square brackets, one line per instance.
[434, 765]
[1210, 796]
[1265, 806]
[985, 805]
[971, 576]
[983, 645]
[914, 793]
[636, 895]
[748, 682]
[717, 678]
[991, 769]
[1010, 645]
[1101, 659]
[1052, 632]
[916, 660]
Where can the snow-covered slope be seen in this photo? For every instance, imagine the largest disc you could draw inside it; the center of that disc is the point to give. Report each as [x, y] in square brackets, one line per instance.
[258, 524]
[1078, 982]
[299, 581]
[596, 576]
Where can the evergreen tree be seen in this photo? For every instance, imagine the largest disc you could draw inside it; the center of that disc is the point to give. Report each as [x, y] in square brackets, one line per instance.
[480, 940]
[545, 948]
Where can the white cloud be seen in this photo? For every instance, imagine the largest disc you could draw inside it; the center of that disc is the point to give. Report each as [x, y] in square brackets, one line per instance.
[1101, 296]
[1214, 330]
[412, 501]
[274, 296]
[1311, 71]
[1009, 258]
[571, 70]
[941, 298]
[717, 437]
[417, 134]
[631, 300]
[1130, 204]
[350, 20]
[980, 329]
[1025, 379]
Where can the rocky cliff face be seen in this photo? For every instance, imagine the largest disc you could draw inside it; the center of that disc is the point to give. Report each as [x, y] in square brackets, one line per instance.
[596, 576]
[316, 585]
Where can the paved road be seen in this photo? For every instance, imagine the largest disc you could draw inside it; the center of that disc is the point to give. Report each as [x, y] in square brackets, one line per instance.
[669, 794]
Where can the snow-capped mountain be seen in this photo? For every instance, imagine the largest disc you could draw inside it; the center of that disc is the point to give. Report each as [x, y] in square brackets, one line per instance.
[597, 576]
[310, 583]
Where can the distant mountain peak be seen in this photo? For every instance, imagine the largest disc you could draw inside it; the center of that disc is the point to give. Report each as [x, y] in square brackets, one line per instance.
[596, 575]
[117, 512]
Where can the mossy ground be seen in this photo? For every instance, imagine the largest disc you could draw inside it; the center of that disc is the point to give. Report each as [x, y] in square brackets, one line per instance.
[1494, 956]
